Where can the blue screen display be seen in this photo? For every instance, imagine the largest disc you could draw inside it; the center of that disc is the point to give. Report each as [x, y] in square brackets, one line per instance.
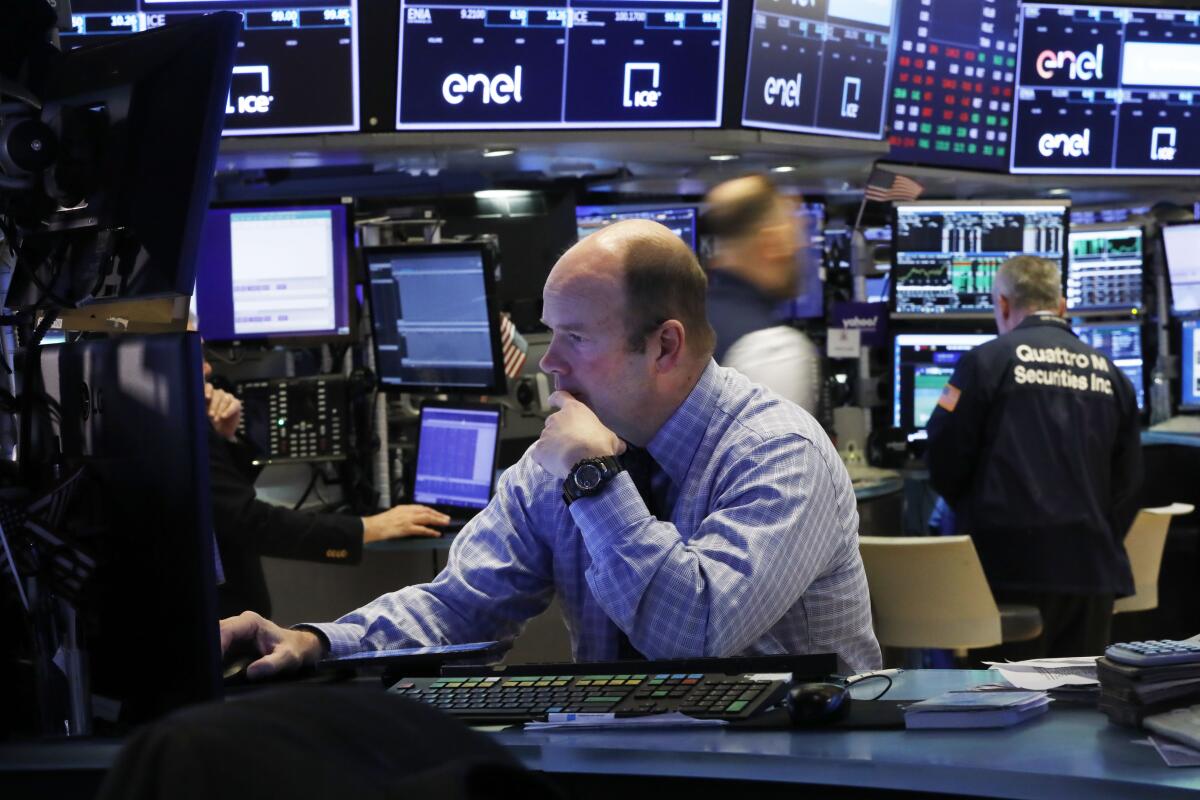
[1190, 356]
[296, 65]
[1102, 89]
[681, 221]
[270, 272]
[560, 64]
[456, 456]
[1122, 342]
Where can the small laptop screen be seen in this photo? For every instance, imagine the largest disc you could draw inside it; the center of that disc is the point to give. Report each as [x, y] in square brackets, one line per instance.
[456, 456]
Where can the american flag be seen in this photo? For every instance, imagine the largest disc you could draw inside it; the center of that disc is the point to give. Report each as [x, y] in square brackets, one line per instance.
[513, 346]
[888, 187]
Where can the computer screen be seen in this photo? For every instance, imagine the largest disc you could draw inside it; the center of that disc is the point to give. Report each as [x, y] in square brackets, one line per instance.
[809, 302]
[1181, 246]
[877, 289]
[275, 272]
[819, 67]
[1189, 396]
[296, 68]
[1108, 90]
[567, 64]
[456, 455]
[922, 364]
[952, 83]
[1122, 342]
[1114, 215]
[434, 317]
[947, 253]
[681, 220]
[1104, 270]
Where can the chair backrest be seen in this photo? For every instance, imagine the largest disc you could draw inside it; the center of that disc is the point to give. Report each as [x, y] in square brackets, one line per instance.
[929, 591]
[1144, 544]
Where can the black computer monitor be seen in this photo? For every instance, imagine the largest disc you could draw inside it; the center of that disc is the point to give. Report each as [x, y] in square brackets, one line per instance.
[680, 219]
[434, 318]
[1104, 270]
[953, 71]
[276, 273]
[129, 412]
[1122, 342]
[922, 364]
[1181, 248]
[138, 121]
[946, 253]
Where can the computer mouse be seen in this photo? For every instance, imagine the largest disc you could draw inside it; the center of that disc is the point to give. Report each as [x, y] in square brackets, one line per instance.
[817, 703]
[234, 673]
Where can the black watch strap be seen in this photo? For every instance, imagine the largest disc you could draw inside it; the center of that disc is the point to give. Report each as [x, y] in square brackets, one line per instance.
[589, 477]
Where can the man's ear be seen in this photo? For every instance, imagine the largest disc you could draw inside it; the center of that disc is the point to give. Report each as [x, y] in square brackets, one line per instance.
[1005, 308]
[1062, 307]
[670, 338]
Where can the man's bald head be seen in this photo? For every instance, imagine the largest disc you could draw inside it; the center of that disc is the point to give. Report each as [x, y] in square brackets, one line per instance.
[755, 234]
[660, 275]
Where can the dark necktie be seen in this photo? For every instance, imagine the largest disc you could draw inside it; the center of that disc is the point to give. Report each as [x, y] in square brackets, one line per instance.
[641, 467]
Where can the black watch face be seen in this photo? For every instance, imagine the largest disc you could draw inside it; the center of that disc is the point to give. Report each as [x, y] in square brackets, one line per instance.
[587, 477]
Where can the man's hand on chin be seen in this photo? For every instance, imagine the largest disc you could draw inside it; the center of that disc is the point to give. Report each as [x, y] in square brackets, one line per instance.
[571, 434]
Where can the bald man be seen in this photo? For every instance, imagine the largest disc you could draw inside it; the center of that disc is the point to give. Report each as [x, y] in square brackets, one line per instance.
[675, 508]
[753, 270]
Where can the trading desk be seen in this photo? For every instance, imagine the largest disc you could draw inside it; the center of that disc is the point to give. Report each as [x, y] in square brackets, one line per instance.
[1067, 753]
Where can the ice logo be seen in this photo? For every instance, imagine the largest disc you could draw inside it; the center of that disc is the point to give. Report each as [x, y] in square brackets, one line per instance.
[252, 103]
[1081, 67]
[498, 89]
[1072, 145]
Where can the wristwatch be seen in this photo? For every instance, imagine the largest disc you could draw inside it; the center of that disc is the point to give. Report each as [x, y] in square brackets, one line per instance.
[589, 477]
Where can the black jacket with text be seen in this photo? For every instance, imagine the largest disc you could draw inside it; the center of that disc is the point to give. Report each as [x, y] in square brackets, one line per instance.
[1035, 443]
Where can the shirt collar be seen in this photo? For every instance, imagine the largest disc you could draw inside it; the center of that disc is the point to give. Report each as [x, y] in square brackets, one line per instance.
[1040, 319]
[676, 443]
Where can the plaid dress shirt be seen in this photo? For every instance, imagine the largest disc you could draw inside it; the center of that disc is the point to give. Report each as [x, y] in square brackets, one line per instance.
[760, 555]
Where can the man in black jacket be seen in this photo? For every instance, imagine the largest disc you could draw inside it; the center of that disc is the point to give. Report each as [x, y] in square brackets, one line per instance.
[1035, 444]
[247, 528]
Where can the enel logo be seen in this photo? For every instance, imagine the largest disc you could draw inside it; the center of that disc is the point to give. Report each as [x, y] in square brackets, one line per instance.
[787, 91]
[1082, 67]
[498, 89]
[1073, 145]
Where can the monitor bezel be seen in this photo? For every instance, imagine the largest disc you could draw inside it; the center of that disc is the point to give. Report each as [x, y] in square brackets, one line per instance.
[1166, 260]
[307, 339]
[1125, 311]
[499, 381]
[411, 482]
[967, 316]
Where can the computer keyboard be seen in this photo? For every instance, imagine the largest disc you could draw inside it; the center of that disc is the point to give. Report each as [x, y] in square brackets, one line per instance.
[498, 700]
[1185, 423]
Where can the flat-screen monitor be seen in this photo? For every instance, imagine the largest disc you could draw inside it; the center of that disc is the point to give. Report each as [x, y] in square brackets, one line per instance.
[945, 254]
[576, 64]
[1104, 270]
[809, 302]
[434, 318]
[1112, 215]
[819, 67]
[1181, 246]
[680, 219]
[877, 289]
[1107, 90]
[1122, 342]
[297, 63]
[275, 272]
[953, 74]
[1189, 395]
[922, 364]
[457, 447]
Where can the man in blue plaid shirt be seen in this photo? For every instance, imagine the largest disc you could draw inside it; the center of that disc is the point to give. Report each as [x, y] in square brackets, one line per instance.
[741, 539]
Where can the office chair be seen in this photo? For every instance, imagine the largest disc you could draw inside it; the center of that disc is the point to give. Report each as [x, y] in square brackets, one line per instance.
[1144, 545]
[930, 592]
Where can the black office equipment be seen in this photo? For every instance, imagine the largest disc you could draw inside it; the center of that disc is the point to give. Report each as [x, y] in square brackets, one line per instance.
[297, 68]
[457, 450]
[1181, 246]
[1104, 270]
[922, 364]
[296, 419]
[1101, 90]
[811, 704]
[953, 72]
[434, 318]
[276, 273]
[946, 253]
[1122, 342]
[819, 67]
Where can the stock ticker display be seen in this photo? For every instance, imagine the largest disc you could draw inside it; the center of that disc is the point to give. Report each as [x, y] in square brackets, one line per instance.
[1104, 270]
[1122, 342]
[560, 64]
[946, 255]
[819, 66]
[953, 74]
[296, 68]
[1107, 90]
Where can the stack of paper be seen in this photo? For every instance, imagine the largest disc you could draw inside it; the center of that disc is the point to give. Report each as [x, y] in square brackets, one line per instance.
[989, 709]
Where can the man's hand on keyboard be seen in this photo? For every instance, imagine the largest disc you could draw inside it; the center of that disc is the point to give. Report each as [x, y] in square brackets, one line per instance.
[282, 649]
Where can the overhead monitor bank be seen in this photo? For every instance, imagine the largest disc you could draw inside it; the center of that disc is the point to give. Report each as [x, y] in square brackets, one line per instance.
[1108, 90]
[953, 74]
[296, 65]
[819, 67]
[560, 64]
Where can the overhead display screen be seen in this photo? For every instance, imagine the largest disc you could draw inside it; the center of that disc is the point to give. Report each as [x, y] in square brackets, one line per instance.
[1107, 90]
[819, 66]
[953, 75]
[560, 64]
[296, 64]
[947, 254]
